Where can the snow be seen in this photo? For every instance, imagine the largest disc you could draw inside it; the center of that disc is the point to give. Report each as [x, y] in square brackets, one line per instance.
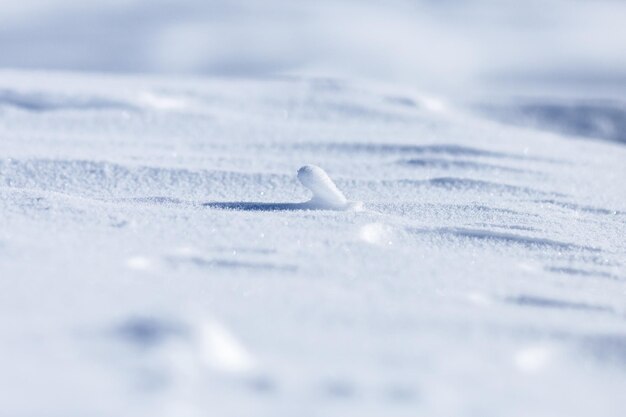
[326, 195]
[171, 246]
[447, 45]
[152, 263]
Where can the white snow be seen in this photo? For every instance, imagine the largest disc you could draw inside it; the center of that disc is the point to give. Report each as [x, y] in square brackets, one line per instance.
[156, 258]
[325, 192]
[533, 359]
[223, 351]
[433, 44]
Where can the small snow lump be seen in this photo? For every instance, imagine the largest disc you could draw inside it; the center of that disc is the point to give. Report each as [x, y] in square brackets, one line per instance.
[325, 193]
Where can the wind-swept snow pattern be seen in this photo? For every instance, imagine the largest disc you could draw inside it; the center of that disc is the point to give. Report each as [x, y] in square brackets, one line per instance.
[174, 248]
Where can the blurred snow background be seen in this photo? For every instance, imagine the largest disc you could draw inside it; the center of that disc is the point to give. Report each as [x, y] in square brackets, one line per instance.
[434, 45]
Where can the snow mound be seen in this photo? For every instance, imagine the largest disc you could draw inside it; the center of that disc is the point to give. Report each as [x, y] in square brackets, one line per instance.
[325, 192]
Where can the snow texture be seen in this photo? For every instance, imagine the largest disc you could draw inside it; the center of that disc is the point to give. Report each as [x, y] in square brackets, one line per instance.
[156, 258]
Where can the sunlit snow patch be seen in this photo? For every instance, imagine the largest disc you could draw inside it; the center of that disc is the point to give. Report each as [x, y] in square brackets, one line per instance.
[533, 359]
[376, 234]
[187, 348]
[222, 351]
[139, 263]
[479, 298]
[161, 102]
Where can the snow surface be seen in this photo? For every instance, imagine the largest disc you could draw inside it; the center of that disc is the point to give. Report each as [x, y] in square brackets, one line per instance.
[152, 262]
